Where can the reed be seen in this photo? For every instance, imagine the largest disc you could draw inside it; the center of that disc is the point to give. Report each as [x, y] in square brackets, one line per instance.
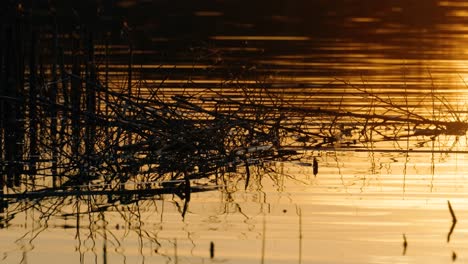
[405, 245]
[454, 221]
[3, 95]
[53, 93]
[75, 95]
[315, 166]
[111, 135]
[32, 109]
[91, 107]
[299, 212]
[212, 249]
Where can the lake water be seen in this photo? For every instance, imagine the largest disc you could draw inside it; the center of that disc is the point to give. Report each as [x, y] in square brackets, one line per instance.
[355, 210]
[382, 188]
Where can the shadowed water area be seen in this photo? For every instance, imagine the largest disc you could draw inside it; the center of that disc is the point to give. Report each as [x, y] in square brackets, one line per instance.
[233, 131]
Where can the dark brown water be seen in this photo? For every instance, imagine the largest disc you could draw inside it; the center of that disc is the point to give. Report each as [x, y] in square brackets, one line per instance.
[385, 58]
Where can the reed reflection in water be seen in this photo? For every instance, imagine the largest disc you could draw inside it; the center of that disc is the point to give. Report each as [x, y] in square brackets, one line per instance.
[298, 134]
[347, 215]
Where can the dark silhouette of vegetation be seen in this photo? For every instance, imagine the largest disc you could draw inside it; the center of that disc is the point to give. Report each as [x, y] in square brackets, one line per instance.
[65, 122]
[81, 127]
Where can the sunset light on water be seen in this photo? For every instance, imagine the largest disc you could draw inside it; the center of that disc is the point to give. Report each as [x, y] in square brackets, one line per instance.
[325, 131]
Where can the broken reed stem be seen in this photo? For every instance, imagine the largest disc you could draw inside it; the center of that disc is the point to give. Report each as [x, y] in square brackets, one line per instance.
[75, 95]
[91, 92]
[130, 79]
[33, 118]
[413, 119]
[3, 92]
[53, 109]
[106, 86]
[454, 218]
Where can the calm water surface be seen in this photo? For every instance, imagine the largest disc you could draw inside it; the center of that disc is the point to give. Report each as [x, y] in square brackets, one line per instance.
[355, 210]
[357, 56]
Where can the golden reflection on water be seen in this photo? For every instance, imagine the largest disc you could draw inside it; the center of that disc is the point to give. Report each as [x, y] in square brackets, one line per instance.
[354, 211]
